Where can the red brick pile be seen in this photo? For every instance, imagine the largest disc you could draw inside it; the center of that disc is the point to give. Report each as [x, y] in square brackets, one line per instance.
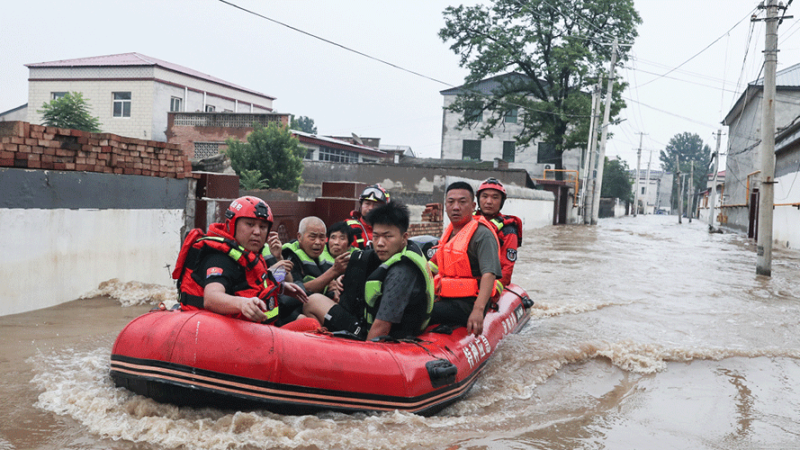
[432, 213]
[30, 146]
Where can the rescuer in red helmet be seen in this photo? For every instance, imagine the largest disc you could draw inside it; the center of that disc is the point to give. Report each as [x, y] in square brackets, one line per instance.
[491, 198]
[372, 197]
[224, 271]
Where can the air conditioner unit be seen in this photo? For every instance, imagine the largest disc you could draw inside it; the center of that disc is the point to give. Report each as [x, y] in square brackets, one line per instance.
[547, 167]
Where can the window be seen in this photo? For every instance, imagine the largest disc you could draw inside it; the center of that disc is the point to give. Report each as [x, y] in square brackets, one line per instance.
[175, 104]
[511, 116]
[471, 150]
[57, 95]
[210, 108]
[643, 189]
[546, 153]
[509, 151]
[473, 111]
[122, 104]
[205, 149]
[337, 155]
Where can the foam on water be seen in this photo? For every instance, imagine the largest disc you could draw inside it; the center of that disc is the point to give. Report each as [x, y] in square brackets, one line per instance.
[133, 293]
[629, 320]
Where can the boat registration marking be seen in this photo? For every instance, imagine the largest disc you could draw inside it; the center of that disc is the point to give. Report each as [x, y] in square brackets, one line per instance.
[477, 350]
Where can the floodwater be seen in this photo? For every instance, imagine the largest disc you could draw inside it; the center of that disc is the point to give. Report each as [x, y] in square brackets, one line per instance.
[646, 334]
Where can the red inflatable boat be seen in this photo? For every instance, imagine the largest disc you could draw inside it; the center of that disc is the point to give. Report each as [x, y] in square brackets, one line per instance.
[201, 358]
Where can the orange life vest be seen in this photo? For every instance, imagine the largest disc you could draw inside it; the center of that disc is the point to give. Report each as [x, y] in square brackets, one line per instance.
[259, 282]
[509, 232]
[455, 277]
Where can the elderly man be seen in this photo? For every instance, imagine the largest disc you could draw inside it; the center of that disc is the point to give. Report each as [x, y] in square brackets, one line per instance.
[467, 262]
[312, 268]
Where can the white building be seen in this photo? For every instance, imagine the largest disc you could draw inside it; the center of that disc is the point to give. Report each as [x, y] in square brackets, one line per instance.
[466, 144]
[655, 194]
[131, 93]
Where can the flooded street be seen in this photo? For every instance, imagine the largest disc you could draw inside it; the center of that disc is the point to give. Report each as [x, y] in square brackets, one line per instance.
[645, 334]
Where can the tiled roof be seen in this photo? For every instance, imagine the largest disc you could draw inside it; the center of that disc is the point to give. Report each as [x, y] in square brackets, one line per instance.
[488, 85]
[325, 140]
[137, 59]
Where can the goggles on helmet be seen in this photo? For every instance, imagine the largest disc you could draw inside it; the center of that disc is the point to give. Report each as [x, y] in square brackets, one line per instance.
[375, 194]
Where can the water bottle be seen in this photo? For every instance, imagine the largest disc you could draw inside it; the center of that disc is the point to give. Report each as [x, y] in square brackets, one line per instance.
[279, 274]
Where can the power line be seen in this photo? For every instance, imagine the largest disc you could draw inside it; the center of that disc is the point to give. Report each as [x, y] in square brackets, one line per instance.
[328, 41]
[671, 114]
[701, 51]
[504, 102]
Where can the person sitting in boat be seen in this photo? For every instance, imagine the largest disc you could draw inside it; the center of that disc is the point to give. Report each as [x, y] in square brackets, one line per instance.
[272, 254]
[388, 289]
[491, 198]
[225, 272]
[339, 237]
[312, 268]
[371, 198]
[467, 263]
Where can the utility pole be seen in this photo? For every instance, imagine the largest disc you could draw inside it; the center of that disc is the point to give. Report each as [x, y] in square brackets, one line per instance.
[638, 164]
[691, 192]
[591, 159]
[636, 185]
[680, 193]
[647, 182]
[713, 195]
[767, 191]
[602, 153]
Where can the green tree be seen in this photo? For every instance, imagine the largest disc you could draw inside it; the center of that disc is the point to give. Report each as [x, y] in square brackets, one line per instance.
[70, 111]
[558, 48]
[616, 180]
[690, 148]
[273, 152]
[303, 123]
[251, 180]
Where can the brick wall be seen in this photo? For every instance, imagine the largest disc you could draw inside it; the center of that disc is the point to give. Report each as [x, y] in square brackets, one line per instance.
[425, 228]
[186, 135]
[24, 145]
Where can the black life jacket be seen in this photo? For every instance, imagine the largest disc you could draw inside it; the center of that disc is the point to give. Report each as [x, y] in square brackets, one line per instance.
[259, 282]
[363, 292]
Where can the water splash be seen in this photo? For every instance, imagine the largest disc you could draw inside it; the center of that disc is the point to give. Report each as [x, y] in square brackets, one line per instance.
[134, 293]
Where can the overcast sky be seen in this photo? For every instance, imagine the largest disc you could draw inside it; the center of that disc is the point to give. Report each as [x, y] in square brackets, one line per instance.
[348, 93]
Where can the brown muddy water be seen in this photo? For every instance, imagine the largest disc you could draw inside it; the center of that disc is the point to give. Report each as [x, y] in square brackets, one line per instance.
[646, 334]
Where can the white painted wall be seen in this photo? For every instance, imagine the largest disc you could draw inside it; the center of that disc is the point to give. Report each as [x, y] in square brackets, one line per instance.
[786, 219]
[534, 207]
[51, 256]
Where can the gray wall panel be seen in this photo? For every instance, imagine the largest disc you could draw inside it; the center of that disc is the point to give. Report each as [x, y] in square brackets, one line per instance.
[46, 189]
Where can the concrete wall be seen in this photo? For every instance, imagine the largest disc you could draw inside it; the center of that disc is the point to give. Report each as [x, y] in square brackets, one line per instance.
[534, 207]
[743, 153]
[81, 208]
[66, 232]
[412, 184]
[786, 217]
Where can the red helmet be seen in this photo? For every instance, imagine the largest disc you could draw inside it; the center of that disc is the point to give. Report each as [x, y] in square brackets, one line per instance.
[375, 193]
[242, 207]
[492, 183]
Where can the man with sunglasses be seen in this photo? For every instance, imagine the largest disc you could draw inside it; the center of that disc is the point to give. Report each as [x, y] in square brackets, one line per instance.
[372, 197]
[491, 198]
